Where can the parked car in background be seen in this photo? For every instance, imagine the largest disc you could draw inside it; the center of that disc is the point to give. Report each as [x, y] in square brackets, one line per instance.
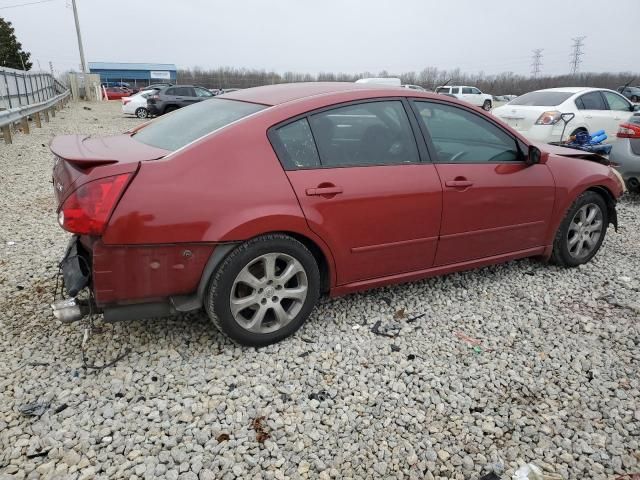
[625, 153]
[469, 94]
[414, 87]
[116, 93]
[388, 81]
[137, 104]
[168, 99]
[632, 93]
[536, 115]
[268, 197]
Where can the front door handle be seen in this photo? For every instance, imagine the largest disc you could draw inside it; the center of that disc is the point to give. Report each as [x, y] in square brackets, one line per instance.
[458, 183]
[324, 190]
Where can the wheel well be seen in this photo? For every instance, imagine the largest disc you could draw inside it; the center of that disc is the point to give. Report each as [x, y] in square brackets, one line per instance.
[580, 129]
[610, 201]
[321, 260]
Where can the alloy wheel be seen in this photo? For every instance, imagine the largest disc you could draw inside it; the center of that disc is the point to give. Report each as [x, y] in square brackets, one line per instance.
[585, 230]
[268, 293]
[142, 113]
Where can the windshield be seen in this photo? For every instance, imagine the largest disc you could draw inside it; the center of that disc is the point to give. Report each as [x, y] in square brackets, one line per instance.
[541, 99]
[183, 126]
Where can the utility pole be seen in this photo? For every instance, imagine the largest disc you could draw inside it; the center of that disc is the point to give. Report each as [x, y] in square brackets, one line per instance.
[536, 63]
[578, 43]
[83, 64]
[51, 68]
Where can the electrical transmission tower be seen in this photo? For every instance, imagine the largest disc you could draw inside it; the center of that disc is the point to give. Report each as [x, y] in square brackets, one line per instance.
[536, 63]
[578, 43]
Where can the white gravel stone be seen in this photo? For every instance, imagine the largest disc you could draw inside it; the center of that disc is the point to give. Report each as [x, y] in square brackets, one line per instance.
[554, 380]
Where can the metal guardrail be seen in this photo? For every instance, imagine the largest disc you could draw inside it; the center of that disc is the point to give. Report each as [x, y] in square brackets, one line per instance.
[8, 117]
[25, 95]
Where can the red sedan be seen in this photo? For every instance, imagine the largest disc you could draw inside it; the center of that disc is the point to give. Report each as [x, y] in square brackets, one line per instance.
[253, 204]
[116, 93]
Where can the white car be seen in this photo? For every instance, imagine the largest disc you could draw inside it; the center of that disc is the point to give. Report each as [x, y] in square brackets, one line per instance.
[469, 94]
[536, 115]
[414, 87]
[388, 81]
[137, 104]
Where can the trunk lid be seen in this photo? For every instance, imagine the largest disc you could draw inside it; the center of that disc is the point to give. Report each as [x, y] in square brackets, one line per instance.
[80, 159]
[520, 118]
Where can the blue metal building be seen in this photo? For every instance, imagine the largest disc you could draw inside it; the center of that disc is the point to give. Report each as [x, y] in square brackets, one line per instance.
[136, 74]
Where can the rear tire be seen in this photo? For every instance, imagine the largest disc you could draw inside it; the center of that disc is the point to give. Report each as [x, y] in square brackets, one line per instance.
[582, 231]
[486, 105]
[264, 290]
[142, 112]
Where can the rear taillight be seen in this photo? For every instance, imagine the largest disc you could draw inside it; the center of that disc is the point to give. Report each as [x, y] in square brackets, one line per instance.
[628, 130]
[548, 118]
[87, 210]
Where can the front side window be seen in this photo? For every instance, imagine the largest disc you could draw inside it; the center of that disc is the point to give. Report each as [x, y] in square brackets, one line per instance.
[201, 92]
[295, 146]
[591, 101]
[475, 91]
[185, 125]
[460, 136]
[374, 133]
[170, 91]
[616, 102]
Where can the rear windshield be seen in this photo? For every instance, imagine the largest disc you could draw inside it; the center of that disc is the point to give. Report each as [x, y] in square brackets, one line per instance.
[541, 99]
[183, 126]
[442, 90]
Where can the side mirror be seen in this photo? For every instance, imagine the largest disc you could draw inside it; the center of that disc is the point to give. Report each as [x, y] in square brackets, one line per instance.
[533, 156]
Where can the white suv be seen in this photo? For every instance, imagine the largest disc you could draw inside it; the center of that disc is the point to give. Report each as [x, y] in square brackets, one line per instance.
[468, 94]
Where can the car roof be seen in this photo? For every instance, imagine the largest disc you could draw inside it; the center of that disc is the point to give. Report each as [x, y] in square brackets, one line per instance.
[288, 92]
[570, 89]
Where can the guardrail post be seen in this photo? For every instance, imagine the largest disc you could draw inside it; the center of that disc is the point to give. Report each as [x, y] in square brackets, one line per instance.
[53, 111]
[45, 113]
[6, 134]
[24, 123]
[37, 120]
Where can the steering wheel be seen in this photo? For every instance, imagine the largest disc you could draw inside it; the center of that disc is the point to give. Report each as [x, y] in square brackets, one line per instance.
[458, 155]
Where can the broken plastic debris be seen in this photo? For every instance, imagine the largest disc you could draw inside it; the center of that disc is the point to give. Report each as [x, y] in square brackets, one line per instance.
[9, 243]
[35, 409]
[528, 472]
[390, 331]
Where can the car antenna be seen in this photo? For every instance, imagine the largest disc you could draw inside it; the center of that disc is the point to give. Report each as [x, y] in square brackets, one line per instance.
[628, 83]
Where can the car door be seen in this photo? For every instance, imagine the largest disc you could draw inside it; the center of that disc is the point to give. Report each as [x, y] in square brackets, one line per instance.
[620, 109]
[185, 96]
[493, 203]
[595, 111]
[468, 95]
[365, 187]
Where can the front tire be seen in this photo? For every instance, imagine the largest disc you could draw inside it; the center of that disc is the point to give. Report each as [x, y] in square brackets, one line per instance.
[486, 105]
[264, 290]
[142, 112]
[582, 231]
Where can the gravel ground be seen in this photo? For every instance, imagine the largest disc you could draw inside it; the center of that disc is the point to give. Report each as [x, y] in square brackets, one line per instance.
[552, 378]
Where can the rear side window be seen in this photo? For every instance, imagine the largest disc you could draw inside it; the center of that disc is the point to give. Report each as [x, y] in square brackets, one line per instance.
[185, 125]
[170, 91]
[373, 133]
[442, 90]
[295, 146]
[455, 90]
[591, 101]
[467, 90]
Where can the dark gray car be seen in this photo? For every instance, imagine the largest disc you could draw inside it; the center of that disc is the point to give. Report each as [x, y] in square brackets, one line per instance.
[626, 152]
[171, 98]
[632, 93]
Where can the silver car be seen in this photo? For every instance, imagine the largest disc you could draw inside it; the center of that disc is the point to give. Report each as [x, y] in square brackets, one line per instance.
[626, 152]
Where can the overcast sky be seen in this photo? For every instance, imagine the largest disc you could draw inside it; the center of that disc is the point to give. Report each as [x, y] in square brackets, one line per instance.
[334, 35]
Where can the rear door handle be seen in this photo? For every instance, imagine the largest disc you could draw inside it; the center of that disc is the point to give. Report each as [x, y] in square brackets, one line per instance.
[323, 191]
[458, 183]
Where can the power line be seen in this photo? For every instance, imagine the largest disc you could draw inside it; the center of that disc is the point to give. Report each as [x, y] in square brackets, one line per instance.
[537, 62]
[25, 4]
[578, 43]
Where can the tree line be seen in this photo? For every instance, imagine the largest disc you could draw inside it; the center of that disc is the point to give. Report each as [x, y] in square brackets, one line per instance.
[507, 83]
